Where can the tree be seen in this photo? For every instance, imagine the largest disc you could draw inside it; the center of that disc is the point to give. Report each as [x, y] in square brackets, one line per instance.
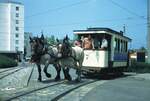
[142, 49]
[51, 40]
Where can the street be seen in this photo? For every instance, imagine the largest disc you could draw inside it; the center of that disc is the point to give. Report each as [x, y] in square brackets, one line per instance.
[20, 84]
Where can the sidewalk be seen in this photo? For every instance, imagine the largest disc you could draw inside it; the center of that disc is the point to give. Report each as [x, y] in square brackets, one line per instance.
[145, 76]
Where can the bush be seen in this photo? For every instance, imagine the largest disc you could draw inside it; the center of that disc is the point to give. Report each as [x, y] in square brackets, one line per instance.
[6, 62]
[139, 67]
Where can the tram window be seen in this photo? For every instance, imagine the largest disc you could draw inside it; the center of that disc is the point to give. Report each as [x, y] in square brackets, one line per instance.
[115, 44]
[126, 46]
[96, 43]
[121, 46]
[118, 45]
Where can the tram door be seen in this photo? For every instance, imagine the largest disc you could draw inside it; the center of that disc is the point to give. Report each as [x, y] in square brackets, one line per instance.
[109, 37]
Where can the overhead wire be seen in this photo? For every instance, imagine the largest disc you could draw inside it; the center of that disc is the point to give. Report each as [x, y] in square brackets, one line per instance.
[77, 23]
[125, 9]
[58, 8]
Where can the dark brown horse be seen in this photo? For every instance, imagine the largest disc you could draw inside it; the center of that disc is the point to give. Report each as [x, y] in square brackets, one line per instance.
[41, 54]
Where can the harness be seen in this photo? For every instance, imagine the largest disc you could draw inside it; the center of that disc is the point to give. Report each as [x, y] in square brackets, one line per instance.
[69, 54]
[36, 57]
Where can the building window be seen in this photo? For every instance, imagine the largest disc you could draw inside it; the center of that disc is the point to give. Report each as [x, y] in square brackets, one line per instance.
[17, 8]
[17, 21]
[17, 48]
[17, 41]
[17, 15]
[17, 35]
[17, 28]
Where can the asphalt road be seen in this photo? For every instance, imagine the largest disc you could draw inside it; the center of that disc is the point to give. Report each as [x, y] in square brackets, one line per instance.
[121, 89]
[129, 87]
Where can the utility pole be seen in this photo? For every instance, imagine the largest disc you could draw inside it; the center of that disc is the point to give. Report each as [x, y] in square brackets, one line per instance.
[124, 29]
[148, 30]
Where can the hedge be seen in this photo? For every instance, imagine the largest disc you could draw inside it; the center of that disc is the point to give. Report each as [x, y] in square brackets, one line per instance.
[6, 62]
[139, 67]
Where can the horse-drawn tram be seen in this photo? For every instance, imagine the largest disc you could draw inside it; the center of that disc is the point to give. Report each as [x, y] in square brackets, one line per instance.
[105, 50]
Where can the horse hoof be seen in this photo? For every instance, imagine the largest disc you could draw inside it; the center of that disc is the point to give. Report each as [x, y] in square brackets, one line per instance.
[48, 75]
[57, 78]
[39, 79]
[78, 80]
[69, 79]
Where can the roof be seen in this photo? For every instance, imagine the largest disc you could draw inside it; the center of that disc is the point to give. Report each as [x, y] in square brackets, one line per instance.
[10, 1]
[103, 29]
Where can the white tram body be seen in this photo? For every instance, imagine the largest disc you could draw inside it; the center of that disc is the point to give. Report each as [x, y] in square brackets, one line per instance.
[116, 54]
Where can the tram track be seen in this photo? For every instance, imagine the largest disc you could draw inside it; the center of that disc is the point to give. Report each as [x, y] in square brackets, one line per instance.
[6, 70]
[9, 73]
[66, 89]
[71, 90]
[30, 91]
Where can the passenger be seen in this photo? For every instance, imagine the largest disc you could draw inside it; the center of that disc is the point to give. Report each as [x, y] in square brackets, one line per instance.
[88, 42]
[78, 43]
[104, 43]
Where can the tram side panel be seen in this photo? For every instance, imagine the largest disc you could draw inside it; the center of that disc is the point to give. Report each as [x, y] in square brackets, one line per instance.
[120, 60]
[95, 59]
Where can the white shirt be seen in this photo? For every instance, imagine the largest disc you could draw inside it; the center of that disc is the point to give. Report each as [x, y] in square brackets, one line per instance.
[104, 43]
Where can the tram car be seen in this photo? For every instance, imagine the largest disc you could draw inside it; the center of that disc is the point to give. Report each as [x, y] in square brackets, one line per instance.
[108, 51]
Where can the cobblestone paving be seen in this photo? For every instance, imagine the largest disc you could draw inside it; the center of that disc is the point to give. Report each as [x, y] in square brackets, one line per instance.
[79, 93]
[16, 79]
[33, 84]
[51, 92]
[16, 87]
[6, 72]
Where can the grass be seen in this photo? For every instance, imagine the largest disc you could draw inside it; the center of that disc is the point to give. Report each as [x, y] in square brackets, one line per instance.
[139, 67]
[6, 62]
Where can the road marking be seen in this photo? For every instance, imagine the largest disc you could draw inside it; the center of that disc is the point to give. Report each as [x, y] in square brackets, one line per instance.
[7, 88]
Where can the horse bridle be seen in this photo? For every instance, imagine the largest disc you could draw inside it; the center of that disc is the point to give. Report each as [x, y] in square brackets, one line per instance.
[36, 57]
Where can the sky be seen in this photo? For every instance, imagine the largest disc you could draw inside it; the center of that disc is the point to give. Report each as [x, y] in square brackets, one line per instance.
[61, 17]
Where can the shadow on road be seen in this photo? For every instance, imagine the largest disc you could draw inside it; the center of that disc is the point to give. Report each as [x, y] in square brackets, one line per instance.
[109, 76]
[49, 81]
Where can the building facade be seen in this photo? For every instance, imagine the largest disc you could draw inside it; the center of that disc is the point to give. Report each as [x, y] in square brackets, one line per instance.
[27, 47]
[11, 27]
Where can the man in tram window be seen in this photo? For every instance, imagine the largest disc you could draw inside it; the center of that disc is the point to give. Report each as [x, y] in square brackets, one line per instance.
[88, 42]
[104, 44]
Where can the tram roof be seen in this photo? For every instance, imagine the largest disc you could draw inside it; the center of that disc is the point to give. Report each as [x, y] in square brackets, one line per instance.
[100, 30]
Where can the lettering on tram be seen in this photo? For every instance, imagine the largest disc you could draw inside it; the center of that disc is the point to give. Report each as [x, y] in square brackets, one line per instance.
[104, 49]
